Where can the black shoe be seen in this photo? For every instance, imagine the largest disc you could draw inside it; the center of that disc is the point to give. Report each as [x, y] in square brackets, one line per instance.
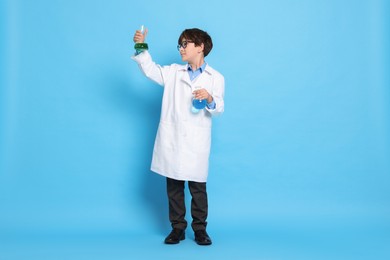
[175, 236]
[202, 238]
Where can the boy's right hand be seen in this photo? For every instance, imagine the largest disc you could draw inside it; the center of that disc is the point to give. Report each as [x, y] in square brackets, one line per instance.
[140, 37]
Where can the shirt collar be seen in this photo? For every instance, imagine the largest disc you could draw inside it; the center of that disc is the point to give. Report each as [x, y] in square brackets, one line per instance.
[201, 68]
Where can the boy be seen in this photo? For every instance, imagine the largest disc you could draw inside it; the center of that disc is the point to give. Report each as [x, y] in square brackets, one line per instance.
[182, 146]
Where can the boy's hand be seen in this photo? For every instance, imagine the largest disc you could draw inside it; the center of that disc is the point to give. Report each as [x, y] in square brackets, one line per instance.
[203, 94]
[140, 37]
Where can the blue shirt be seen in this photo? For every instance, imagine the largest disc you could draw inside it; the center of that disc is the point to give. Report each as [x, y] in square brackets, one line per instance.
[194, 74]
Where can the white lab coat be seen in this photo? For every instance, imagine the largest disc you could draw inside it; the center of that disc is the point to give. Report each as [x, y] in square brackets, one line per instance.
[182, 146]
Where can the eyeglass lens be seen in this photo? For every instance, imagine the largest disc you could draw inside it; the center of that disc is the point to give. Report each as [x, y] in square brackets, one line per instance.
[182, 44]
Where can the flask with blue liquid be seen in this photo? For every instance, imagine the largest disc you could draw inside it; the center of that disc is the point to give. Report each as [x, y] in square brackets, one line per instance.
[198, 104]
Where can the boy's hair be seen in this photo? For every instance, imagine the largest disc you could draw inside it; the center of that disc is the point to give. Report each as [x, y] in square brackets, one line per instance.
[198, 37]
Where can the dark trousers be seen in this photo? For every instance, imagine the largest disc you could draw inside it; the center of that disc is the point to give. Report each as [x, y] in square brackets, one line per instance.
[177, 208]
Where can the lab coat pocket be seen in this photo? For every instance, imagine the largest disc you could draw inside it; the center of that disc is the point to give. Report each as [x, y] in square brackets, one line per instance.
[166, 135]
[199, 139]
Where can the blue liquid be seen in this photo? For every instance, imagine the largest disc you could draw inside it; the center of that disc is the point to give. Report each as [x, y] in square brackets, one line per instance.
[194, 110]
[199, 104]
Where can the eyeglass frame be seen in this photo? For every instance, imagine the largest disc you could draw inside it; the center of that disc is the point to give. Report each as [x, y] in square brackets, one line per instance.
[183, 44]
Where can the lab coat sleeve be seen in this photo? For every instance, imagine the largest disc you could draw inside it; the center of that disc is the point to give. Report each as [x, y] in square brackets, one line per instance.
[149, 68]
[218, 92]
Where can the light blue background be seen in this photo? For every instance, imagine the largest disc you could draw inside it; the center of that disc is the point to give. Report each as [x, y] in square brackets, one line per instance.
[300, 159]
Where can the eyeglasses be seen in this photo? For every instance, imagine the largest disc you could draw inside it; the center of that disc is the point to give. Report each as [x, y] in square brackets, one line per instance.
[183, 45]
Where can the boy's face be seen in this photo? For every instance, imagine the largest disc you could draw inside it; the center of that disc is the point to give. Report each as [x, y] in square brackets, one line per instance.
[189, 52]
